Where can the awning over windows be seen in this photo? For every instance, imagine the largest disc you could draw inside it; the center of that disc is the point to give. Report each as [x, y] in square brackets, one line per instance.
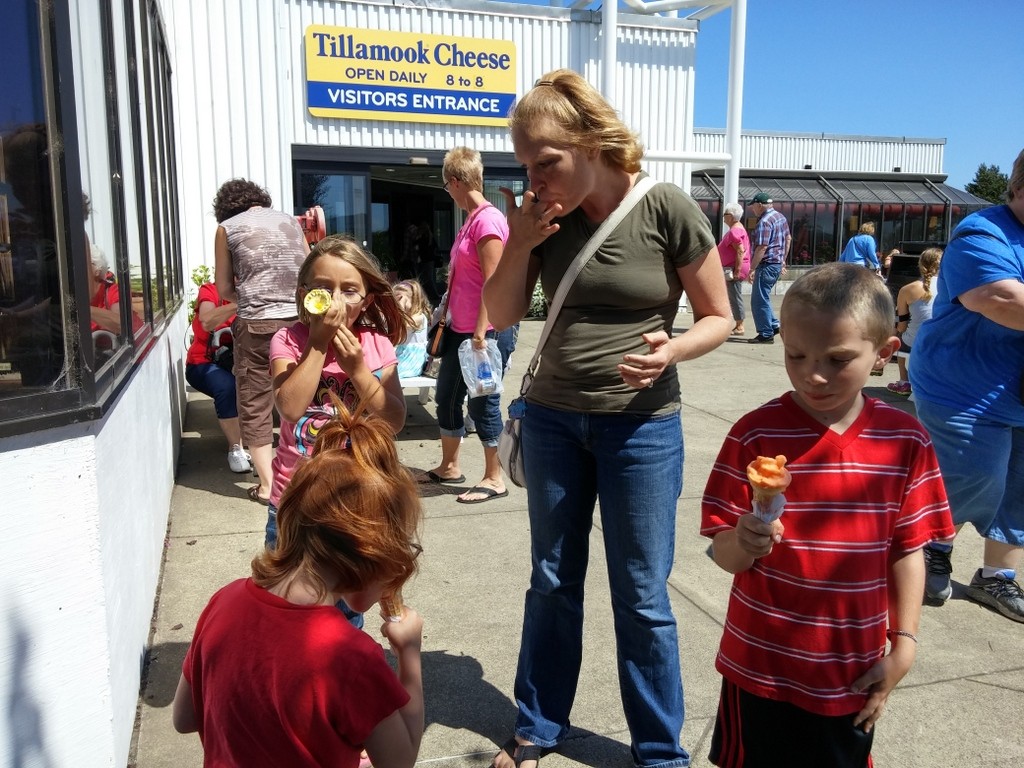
[826, 190]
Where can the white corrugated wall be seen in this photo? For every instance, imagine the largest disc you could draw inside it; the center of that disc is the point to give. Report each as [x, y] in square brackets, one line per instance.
[240, 86]
[827, 152]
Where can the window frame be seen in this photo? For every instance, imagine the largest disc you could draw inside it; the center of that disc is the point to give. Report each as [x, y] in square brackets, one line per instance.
[89, 392]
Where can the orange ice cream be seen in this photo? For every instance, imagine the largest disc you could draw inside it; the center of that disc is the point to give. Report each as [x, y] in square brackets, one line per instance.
[768, 477]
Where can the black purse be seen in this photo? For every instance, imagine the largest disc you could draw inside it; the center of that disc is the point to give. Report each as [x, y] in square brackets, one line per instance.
[437, 339]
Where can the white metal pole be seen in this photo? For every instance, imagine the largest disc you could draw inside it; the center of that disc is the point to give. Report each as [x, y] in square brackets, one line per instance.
[734, 113]
[609, 28]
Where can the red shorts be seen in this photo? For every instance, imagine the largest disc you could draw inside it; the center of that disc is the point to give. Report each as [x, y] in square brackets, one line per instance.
[754, 732]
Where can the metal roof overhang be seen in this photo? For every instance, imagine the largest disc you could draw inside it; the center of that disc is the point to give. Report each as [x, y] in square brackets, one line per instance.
[796, 186]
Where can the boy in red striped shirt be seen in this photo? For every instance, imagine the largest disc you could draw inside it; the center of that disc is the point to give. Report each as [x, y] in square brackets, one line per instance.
[817, 593]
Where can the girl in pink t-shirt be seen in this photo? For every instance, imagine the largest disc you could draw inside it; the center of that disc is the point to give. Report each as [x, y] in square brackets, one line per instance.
[349, 351]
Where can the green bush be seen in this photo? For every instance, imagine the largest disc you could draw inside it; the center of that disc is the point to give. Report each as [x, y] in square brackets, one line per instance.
[538, 304]
[200, 276]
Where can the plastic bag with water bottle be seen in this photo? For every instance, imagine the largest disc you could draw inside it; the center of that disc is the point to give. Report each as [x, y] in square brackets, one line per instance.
[481, 368]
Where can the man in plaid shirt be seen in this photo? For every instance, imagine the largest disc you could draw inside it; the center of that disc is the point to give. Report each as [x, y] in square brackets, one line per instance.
[771, 247]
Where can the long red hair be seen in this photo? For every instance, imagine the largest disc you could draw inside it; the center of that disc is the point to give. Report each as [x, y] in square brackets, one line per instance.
[352, 509]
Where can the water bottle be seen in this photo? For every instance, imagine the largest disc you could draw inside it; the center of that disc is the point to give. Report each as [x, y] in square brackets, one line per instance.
[484, 373]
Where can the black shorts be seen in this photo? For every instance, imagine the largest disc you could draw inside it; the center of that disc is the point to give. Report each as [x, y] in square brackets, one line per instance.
[754, 732]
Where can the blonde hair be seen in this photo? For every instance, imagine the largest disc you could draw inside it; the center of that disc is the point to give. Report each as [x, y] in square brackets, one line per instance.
[1015, 183]
[352, 510]
[845, 289]
[382, 314]
[867, 228]
[928, 266]
[584, 119]
[464, 164]
[417, 299]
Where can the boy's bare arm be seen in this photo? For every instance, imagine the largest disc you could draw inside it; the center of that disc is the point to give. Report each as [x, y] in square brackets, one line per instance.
[906, 585]
[736, 550]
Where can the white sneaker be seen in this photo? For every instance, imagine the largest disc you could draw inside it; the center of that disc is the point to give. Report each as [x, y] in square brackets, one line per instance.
[238, 459]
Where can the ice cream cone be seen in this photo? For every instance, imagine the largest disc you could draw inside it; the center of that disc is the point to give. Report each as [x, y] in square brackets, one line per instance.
[317, 301]
[768, 478]
[765, 495]
[391, 605]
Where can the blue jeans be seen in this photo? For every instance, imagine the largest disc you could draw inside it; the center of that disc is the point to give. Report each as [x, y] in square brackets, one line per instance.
[215, 382]
[270, 541]
[765, 278]
[633, 465]
[507, 341]
[982, 465]
[450, 393]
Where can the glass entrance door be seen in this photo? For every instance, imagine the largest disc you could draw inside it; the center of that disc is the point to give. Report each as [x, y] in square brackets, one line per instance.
[344, 196]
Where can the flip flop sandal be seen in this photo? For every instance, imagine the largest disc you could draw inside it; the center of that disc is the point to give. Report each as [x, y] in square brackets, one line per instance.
[433, 477]
[489, 493]
[520, 753]
[254, 495]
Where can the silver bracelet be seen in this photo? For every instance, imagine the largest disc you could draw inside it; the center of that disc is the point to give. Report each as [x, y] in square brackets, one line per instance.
[900, 633]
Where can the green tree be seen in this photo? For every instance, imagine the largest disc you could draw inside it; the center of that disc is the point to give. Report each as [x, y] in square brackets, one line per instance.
[989, 184]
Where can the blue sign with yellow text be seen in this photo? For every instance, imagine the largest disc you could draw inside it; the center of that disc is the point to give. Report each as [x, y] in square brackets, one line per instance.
[372, 75]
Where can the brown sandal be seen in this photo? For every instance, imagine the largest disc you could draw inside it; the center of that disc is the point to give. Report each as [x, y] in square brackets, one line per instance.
[254, 495]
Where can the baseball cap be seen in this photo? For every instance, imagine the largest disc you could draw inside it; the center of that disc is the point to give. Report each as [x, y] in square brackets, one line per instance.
[761, 197]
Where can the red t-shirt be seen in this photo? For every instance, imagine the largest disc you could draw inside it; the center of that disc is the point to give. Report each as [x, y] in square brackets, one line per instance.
[276, 684]
[198, 351]
[106, 296]
[807, 620]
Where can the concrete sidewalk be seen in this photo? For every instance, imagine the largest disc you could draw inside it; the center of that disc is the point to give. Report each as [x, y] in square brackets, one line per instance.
[959, 706]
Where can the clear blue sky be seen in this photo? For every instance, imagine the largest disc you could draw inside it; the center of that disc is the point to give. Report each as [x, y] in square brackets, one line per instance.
[932, 69]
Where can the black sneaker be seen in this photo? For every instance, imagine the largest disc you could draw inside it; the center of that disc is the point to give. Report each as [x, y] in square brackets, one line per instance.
[938, 565]
[776, 330]
[1003, 594]
[759, 339]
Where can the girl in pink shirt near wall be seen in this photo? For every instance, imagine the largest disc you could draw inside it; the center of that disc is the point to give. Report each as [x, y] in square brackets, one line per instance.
[348, 351]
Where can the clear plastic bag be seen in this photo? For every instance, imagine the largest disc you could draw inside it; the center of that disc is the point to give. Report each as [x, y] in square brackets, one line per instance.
[481, 368]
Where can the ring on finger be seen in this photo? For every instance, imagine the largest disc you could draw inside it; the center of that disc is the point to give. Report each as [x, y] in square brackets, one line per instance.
[650, 383]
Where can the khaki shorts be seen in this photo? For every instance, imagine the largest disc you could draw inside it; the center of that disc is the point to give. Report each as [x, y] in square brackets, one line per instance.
[253, 383]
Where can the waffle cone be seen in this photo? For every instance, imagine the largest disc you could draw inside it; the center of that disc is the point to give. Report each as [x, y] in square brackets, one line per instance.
[765, 495]
[392, 606]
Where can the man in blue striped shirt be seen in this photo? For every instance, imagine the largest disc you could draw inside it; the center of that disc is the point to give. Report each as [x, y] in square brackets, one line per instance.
[771, 247]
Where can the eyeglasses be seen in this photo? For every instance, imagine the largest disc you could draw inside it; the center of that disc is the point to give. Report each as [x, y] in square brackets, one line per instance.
[445, 185]
[350, 296]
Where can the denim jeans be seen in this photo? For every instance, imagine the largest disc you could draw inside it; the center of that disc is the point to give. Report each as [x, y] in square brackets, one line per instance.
[982, 464]
[507, 341]
[214, 381]
[450, 393]
[765, 278]
[633, 466]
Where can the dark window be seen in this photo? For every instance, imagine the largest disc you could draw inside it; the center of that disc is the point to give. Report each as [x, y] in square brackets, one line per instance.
[77, 303]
